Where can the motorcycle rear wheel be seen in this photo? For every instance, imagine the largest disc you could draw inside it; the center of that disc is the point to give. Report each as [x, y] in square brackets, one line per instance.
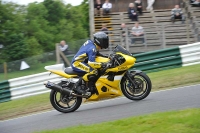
[64, 103]
[133, 93]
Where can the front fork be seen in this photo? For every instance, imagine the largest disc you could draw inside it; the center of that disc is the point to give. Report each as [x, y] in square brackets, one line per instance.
[128, 76]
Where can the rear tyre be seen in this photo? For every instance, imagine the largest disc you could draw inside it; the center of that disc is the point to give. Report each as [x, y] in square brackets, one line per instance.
[133, 93]
[64, 103]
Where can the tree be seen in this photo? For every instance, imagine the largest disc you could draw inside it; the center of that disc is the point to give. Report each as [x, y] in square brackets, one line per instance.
[11, 25]
[38, 27]
[11, 19]
[33, 46]
[15, 47]
[55, 11]
[85, 20]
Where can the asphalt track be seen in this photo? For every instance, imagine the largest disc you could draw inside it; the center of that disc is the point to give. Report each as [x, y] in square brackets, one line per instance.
[173, 99]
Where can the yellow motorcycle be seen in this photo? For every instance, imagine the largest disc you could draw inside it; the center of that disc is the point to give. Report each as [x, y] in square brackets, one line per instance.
[114, 80]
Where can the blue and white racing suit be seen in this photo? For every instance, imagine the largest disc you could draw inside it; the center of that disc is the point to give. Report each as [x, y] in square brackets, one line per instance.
[84, 57]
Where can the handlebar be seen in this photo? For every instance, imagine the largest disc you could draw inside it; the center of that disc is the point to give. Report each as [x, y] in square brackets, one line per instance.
[108, 65]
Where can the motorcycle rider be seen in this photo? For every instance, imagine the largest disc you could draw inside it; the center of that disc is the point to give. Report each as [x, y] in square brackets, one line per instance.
[85, 58]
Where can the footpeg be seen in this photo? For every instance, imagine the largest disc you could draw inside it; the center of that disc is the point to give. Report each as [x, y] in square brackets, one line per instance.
[88, 94]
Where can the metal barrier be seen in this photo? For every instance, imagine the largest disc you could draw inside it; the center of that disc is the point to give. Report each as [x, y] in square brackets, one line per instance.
[25, 86]
[5, 93]
[168, 58]
[151, 61]
[190, 54]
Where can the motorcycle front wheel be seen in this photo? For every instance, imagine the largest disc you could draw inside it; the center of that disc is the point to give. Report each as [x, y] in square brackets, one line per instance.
[64, 103]
[136, 93]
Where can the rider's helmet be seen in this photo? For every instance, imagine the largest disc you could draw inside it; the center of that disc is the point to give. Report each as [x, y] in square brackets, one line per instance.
[101, 39]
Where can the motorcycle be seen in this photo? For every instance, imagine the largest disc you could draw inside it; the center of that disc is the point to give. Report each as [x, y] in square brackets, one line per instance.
[114, 80]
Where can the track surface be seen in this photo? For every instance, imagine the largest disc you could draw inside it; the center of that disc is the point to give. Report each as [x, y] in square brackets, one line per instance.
[175, 99]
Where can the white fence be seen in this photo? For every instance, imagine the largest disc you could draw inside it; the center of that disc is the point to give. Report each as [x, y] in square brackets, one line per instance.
[190, 54]
[31, 85]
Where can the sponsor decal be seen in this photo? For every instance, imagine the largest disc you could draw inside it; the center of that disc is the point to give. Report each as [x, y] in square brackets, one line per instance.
[86, 43]
[115, 91]
[96, 65]
[122, 68]
[98, 84]
[94, 50]
[97, 41]
[81, 66]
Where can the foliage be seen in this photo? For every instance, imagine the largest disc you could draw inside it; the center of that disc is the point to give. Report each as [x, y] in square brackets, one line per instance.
[38, 26]
[15, 47]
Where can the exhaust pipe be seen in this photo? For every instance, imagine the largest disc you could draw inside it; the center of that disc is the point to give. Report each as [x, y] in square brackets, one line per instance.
[65, 91]
[58, 88]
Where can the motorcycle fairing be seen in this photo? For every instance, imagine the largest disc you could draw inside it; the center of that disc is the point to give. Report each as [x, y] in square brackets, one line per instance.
[59, 70]
[112, 88]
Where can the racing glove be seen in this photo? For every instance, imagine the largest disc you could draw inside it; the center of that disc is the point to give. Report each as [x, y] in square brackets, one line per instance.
[103, 65]
[106, 64]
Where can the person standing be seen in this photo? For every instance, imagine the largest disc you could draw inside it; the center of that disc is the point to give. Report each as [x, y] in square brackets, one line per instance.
[123, 33]
[150, 4]
[63, 47]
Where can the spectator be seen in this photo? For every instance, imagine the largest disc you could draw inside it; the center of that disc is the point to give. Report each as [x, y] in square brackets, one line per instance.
[63, 47]
[150, 4]
[132, 13]
[98, 8]
[177, 14]
[137, 31]
[192, 1]
[123, 28]
[196, 3]
[104, 28]
[123, 33]
[107, 7]
[138, 4]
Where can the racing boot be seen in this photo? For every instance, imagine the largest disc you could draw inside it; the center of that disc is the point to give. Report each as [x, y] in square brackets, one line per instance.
[92, 87]
[80, 88]
[91, 78]
[77, 86]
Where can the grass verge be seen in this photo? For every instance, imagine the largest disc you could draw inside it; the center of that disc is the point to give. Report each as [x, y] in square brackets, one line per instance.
[183, 121]
[175, 77]
[160, 80]
[38, 68]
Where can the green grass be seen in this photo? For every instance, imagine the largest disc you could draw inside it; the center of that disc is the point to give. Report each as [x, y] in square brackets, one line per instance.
[38, 68]
[175, 77]
[160, 80]
[24, 106]
[183, 121]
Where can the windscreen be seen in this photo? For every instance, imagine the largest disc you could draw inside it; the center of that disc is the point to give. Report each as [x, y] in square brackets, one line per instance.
[121, 49]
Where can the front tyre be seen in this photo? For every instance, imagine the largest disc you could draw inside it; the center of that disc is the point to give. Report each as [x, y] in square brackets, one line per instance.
[131, 92]
[64, 103]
